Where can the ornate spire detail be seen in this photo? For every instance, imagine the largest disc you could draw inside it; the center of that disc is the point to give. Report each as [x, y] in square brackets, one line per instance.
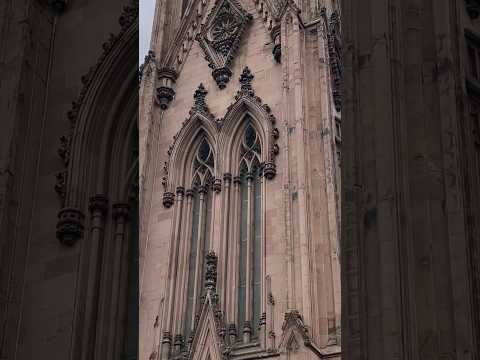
[246, 81]
[211, 272]
[199, 100]
[269, 168]
[220, 37]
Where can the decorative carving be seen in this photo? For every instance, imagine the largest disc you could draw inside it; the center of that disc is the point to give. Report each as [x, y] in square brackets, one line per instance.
[220, 37]
[277, 43]
[178, 340]
[64, 149]
[121, 211]
[211, 272]
[473, 8]
[165, 92]
[217, 185]
[146, 68]
[98, 205]
[167, 337]
[61, 184]
[247, 328]
[199, 103]
[70, 226]
[168, 199]
[246, 91]
[293, 320]
[270, 170]
[222, 76]
[335, 56]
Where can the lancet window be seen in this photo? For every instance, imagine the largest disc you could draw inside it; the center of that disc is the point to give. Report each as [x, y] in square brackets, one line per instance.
[200, 206]
[249, 287]
[218, 170]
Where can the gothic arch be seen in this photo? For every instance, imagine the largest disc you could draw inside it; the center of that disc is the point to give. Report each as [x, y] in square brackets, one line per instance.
[233, 125]
[97, 126]
[100, 153]
[198, 126]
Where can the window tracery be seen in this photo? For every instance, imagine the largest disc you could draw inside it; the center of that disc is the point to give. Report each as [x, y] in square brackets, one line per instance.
[227, 218]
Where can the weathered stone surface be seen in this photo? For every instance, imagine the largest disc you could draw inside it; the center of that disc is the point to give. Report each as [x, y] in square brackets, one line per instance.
[409, 248]
[291, 96]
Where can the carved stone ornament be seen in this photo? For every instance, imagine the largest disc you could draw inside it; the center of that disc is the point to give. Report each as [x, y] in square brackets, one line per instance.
[211, 271]
[145, 68]
[220, 37]
[293, 320]
[61, 184]
[98, 205]
[277, 45]
[165, 92]
[168, 199]
[473, 8]
[200, 112]
[335, 56]
[70, 226]
[246, 91]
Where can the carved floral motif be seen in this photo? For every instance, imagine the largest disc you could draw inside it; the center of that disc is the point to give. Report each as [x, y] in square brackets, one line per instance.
[220, 37]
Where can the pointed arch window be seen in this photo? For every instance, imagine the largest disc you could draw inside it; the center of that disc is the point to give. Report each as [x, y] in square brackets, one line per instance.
[249, 270]
[203, 165]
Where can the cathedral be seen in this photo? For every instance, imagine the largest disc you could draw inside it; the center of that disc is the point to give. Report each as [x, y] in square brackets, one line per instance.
[240, 146]
[291, 179]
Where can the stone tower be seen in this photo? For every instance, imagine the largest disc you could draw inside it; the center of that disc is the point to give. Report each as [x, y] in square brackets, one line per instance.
[240, 140]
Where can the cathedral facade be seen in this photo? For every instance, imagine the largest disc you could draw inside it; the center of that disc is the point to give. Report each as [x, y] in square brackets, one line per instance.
[240, 145]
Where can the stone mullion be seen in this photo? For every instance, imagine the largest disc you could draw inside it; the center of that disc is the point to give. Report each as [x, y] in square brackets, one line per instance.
[235, 246]
[247, 327]
[122, 305]
[216, 242]
[263, 314]
[183, 267]
[175, 266]
[202, 192]
[104, 298]
[98, 209]
[224, 253]
[120, 215]
[170, 282]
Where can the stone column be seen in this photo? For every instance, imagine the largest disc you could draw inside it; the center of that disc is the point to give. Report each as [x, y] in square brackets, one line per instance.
[121, 214]
[98, 209]
[202, 192]
[249, 321]
[403, 246]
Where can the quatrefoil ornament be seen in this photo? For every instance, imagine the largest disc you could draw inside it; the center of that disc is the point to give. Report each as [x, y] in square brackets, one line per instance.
[220, 37]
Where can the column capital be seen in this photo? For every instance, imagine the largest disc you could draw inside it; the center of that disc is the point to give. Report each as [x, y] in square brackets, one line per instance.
[121, 211]
[98, 204]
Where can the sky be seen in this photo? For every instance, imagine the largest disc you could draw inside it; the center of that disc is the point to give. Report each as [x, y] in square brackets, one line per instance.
[146, 13]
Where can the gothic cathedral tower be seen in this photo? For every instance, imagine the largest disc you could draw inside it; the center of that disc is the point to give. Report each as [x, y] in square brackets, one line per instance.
[240, 142]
